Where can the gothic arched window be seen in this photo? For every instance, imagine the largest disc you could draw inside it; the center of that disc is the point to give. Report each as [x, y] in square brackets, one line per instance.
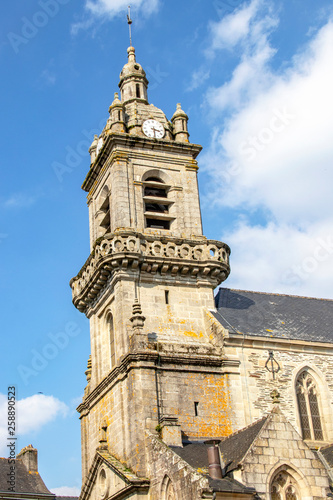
[284, 487]
[308, 407]
[156, 203]
[167, 490]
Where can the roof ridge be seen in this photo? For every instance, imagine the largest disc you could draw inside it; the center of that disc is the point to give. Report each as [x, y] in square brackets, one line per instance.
[245, 428]
[275, 294]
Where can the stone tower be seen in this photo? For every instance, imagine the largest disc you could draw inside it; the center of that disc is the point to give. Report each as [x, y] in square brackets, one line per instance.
[147, 286]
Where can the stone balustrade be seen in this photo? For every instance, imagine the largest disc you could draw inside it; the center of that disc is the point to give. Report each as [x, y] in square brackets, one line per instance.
[187, 258]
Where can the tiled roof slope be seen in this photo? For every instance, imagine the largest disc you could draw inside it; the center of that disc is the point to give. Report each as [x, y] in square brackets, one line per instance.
[234, 447]
[327, 452]
[273, 315]
[25, 481]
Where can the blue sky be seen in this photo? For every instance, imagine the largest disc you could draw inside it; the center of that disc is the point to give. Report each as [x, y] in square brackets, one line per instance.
[256, 80]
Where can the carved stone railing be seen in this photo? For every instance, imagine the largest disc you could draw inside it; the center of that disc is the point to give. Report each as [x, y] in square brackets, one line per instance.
[189, 259]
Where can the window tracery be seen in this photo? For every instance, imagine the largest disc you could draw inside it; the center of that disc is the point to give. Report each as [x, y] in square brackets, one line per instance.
[284, 487]
[308, 406]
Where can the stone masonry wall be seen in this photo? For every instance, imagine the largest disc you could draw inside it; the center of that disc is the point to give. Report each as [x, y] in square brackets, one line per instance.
[252, 387]
[164, 462]
[279, 447]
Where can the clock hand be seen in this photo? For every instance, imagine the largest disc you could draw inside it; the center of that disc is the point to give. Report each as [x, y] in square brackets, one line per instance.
[155, 130]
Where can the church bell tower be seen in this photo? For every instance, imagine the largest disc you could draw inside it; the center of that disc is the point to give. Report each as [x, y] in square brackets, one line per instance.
[147, 285]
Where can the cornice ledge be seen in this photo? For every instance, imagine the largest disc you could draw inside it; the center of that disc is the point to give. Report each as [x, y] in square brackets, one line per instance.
[129, 142]
[156, 360]
[261, 342]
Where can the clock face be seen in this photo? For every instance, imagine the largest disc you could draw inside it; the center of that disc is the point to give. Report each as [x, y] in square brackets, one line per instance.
[153, 128]
[99, 146]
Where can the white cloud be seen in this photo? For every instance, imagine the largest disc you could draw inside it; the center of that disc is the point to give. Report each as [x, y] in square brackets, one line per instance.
[66, 491]
[282, 258]
[48, 77]
[19, 200]
[31, 414]
[115, 7]
[100, 9]
[198, 78]
[250, 28]
[232, 28]
[273, 155]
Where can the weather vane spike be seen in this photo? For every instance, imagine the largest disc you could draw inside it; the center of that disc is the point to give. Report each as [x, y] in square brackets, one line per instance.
[129, 20]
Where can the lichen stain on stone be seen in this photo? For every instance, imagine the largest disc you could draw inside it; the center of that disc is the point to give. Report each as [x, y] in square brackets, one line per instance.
[214, 404]
[193, 334]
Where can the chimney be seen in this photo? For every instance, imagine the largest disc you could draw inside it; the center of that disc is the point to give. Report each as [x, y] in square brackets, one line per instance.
[28, 455]
[214, 464]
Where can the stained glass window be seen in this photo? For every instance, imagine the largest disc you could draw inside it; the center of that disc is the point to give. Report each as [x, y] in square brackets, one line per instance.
[308, 407]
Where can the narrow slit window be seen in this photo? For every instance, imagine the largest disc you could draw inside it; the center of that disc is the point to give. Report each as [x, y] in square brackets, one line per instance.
[196, 408]
[138, 90]
[166, 296]
[112, 344]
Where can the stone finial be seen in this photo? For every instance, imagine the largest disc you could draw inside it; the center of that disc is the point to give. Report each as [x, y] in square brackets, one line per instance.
[94, 144]
[92, 149]
[138, 320]
[131, 54]
[88, 370]
[179, 121]
[179, 113]
[275, 395]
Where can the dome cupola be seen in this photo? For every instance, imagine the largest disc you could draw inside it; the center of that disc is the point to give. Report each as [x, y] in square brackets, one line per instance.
[133, 82]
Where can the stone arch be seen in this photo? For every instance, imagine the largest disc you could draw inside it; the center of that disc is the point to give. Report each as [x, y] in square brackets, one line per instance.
[159, 173]
[167, 489]
[104, 192]
[323, 399]
[103, 483]
[294, 478]
[157, 204]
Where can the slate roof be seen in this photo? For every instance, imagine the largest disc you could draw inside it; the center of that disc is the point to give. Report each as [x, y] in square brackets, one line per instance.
[234, 447]
[327, 452]
[195, 454]
[25, 481]
[274, 315]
